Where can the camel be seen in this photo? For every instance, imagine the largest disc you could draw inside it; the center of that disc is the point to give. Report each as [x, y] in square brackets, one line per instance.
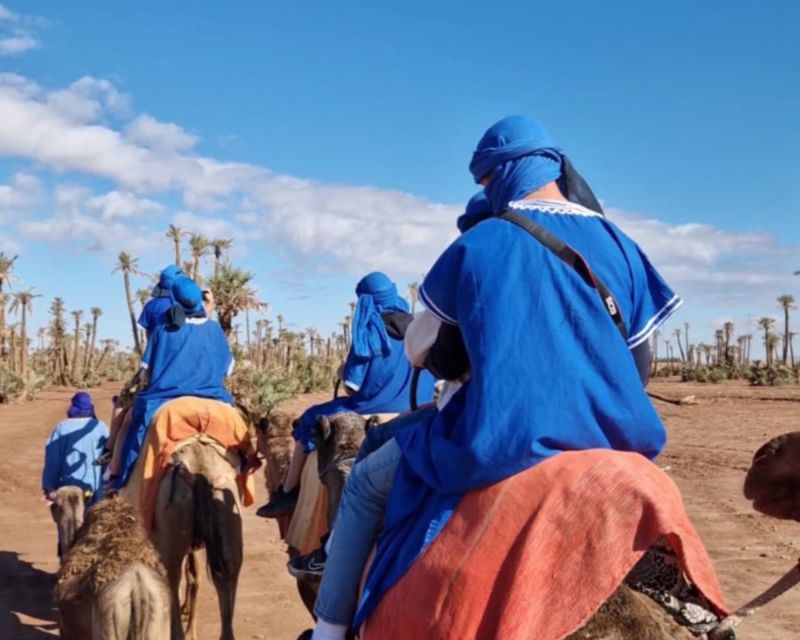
[275, 444]
[773, 480]
[111, 585]
[198, 505]
[67, 508]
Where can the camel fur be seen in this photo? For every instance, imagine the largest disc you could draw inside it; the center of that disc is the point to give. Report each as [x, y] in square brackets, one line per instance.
[198, 505]
[111, 585]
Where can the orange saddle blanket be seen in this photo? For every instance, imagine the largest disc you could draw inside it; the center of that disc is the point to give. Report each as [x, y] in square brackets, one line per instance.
[175, 422]
[536, 555]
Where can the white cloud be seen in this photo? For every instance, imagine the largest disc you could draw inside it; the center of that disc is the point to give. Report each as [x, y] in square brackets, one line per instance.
[17, 32]
[109, 222]
[16, 44]
[87, 100]
[85, 129]
[149, 132]
[20, 195]
[712, 267]
[118, 205]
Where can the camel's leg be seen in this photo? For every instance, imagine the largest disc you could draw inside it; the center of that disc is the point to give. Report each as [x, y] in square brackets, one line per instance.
[172, 536]
[195, 565]
[225, 559]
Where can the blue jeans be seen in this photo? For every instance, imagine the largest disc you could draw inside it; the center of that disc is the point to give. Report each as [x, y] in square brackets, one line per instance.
[358, 524]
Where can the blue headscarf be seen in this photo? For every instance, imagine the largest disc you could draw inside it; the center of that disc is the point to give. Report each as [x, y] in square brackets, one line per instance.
[166, 279]
[377, 294]
[81, 406]
[188, 302]
[522, 158]
[478, 210]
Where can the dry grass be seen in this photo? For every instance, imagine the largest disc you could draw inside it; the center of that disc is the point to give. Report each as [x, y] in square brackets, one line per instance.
[110, 540]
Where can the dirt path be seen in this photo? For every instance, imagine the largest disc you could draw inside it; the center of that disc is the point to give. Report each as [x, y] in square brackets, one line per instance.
[709, 450]
[267, 606]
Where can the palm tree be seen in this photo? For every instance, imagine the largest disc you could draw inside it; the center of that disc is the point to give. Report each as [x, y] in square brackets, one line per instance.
[143, 295]
[22, 304]
[218, 246]
[772, 347]
[686, 340]
[57, 334]
[199, 246]
[233, 294]
[728, 329]
[786, 303]
[766, 323]
[175, 234]
[6, 276]
[76, 345]
[656, 335]
[413, 294]
[677, 333]
[96, 313]
[129, 265]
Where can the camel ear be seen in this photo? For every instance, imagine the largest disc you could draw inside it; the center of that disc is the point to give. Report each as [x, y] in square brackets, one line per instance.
[52, 495]
[371, 423]
[322, 428]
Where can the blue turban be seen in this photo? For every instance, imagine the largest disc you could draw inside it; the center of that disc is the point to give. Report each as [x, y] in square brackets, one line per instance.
[377, 294]
[478, 210]
[166, 279]
[81, 406]
[521, 157]
[188, 302]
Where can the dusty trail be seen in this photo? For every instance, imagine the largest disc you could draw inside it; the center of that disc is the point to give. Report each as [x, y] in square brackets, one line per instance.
[709, 450]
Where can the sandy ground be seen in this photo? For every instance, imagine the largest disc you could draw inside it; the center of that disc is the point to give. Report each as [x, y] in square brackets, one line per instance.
[709, 450]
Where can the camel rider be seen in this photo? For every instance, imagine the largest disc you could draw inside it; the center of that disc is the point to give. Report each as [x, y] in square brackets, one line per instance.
[156, 309]
[446, 360]
[551, 368]
[187, 356]
[376, 375]
[71, 448]
[155, 312]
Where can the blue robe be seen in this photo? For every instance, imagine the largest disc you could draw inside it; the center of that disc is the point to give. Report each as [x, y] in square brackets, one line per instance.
[550, 371]
[71, 450]
[382, 384]
[191, 361]
[155, 312]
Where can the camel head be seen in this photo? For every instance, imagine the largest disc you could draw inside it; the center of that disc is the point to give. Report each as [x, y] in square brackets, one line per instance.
[773, 481]
[67, 506]
[338, 439]
[275, 443]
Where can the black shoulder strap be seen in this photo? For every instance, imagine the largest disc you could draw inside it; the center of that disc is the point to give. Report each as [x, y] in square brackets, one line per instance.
[573, 259]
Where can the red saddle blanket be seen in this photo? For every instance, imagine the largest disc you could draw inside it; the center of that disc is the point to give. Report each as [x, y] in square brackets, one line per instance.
[536, 555]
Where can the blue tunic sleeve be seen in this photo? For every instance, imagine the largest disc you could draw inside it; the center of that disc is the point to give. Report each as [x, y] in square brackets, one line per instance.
[653, 301]
[53, 456]
[439, 291]
[355, 371]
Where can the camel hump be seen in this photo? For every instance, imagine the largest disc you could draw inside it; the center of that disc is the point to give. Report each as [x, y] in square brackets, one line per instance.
[134, 607]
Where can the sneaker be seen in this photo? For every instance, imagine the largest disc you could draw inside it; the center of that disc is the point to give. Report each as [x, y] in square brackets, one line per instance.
[104, 458]
[282, 503]
[309, 567]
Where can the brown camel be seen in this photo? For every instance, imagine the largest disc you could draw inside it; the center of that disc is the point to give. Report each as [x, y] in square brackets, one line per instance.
[773, 481]
[111, 585]
[198, 505]
[67, 508]
[275, 443]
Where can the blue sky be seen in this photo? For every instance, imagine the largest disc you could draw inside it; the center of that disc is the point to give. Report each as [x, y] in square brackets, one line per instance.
[332, 138]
